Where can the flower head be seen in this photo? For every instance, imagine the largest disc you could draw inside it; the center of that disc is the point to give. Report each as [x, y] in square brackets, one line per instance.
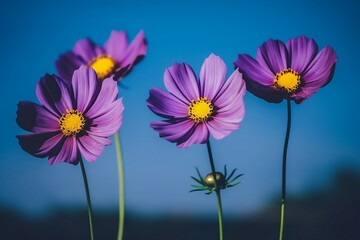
[196, 108]
[115, 59]
[73, 120]
[294, 71]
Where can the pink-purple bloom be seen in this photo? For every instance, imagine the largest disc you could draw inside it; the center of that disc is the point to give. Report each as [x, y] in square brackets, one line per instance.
[195, 108]
[294, 71]
[115, 59]
[72, 120]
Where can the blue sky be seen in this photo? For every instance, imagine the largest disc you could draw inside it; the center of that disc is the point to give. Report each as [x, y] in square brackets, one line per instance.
[325, 129]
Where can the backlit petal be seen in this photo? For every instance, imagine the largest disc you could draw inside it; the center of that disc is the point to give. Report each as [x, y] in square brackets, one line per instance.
[166, 105]
[273, 55]
[180, 80]
[212, 76]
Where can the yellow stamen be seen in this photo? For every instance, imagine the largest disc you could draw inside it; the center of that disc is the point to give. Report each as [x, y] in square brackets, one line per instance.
[287, 80]
[103, 66]
[200, 110]
[72, 122]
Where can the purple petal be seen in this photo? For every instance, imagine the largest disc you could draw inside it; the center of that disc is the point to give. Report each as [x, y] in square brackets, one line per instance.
[132, 55]
[200, 135]
[53, 93]
[229, 102]
[116, 45]
[87, 49]
[320, 71]
[233, 87]
[180, 80]
[34, 143]
[103, 98]
[174, 131]
[253, 71]
[52, 145]
[92, 146]
[267, 93]
[220, 129]
[302, 51]
[68, 153]
[166, 105]
[34, 118]
[308, 90]
[109, 121]
[67, 63]
[212, 76]
[85, 86]
[273, 55]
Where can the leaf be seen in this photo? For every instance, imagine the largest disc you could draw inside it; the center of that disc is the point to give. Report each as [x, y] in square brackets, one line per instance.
[197, 180]
[231, 174]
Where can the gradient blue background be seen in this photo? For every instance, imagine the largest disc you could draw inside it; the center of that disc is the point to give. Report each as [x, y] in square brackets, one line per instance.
[325, 130]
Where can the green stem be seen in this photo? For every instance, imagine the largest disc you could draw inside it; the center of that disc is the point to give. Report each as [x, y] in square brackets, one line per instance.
[121, 187]
[88, 201]
[218, 196]
[283, 192]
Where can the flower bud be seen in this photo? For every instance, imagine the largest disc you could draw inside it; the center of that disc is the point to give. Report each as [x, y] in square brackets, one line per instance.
[220, 180]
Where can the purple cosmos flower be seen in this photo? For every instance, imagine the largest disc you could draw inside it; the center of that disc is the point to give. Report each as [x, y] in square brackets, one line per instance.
[116, 58]
[73, 120]
[194, 108]
[294, 71]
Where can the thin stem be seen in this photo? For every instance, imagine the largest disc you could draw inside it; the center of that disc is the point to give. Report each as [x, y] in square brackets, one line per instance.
[121, 187]
[88, 201]
[218, 196]
[283, 192]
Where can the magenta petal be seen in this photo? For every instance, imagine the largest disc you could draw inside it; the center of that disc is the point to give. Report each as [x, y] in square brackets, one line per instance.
[53, 93]
[91, 146]
[35, 118]
[103, 98]
[85, 85]
[68, 153]
[180, 80]
[302, 51]
[320, 71]
[116, 45]
[253, 71]
[109, 121]
[273, 55]
[212, 76]
[166, 105]
[67, 63]
[86, 49]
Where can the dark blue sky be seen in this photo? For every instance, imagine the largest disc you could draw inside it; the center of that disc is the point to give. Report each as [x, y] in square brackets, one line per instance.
[324, 137]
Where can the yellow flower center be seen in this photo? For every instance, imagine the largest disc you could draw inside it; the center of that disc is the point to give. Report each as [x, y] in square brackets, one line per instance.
[287, 80]
[72, 122]
[200, 110]
[103, 66]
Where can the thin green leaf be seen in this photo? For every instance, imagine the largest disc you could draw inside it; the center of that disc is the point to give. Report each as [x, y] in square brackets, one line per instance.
[231, 174]
[236, 177]
[200, 177]
[197, 180]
